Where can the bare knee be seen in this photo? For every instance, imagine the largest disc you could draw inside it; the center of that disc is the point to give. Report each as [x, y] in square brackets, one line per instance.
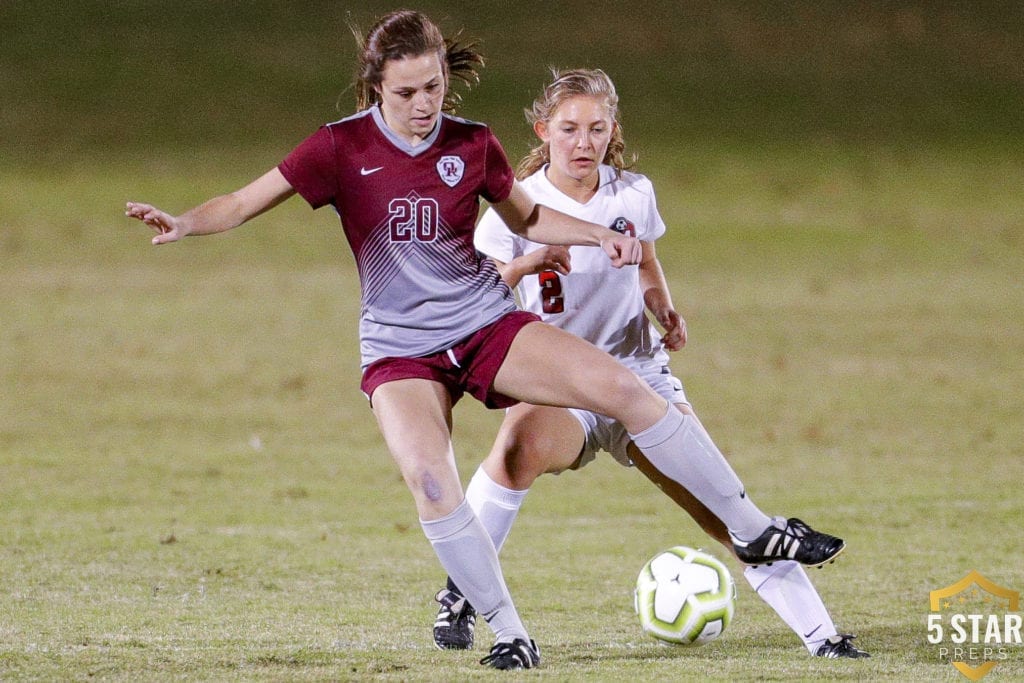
[522, 460]
[430, 488]
[524, 453]
[631, 401]
[435, 488]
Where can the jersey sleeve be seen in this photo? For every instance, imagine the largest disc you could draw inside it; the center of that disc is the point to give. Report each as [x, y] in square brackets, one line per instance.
[310, 168]
[498, 176]
[653, 225]
[493, 238]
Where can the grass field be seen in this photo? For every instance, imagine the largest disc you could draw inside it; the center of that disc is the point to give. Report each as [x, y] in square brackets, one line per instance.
[192, 486]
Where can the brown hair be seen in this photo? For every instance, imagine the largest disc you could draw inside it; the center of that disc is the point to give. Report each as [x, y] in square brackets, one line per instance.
[406, 33]
[566, 84]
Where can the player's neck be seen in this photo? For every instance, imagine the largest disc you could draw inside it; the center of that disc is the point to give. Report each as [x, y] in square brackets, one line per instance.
[412, 137]
[578, 189]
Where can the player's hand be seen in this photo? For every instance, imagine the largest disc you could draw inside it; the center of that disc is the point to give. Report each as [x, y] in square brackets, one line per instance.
[675, 329]
[167, 227]
[554, 258]
[623, 250]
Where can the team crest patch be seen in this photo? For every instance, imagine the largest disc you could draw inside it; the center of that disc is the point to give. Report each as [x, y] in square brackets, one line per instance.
[451, 168]
[624, 226]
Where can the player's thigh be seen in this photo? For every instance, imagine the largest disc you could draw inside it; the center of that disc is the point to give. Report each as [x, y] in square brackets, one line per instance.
[548, 366]
[533, 440]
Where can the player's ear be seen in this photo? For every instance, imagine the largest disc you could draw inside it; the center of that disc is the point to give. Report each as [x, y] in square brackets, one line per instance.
[541, 130]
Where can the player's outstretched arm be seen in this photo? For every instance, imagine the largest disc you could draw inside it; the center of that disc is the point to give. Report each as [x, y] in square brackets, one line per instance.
[218, 214]
[539, 223]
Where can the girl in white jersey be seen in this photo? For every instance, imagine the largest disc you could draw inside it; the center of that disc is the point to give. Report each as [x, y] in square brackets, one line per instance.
[406, 179]
[579, 169]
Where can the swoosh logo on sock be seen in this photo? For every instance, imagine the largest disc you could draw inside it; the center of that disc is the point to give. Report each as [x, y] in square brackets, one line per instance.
[812, 631]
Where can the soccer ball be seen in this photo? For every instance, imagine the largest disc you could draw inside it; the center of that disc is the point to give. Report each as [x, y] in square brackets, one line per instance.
[684, 596]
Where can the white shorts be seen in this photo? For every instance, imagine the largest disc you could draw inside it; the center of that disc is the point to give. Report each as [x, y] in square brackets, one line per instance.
[605, 434]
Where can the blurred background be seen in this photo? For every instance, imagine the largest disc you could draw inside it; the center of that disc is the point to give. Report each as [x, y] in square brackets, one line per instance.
[85, 78]
[750, 99]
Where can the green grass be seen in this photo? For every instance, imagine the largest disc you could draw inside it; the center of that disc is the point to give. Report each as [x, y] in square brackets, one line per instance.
[194, 488]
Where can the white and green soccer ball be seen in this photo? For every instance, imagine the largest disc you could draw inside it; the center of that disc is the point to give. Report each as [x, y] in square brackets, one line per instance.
[684, 596]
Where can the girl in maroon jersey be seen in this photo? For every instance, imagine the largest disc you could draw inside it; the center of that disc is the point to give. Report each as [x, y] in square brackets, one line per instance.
[406, 179]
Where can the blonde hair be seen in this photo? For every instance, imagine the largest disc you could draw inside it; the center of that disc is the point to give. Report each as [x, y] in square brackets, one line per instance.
[564, 85]
[406, 33]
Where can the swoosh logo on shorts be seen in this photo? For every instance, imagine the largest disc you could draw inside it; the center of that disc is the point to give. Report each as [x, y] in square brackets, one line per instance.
[368, 171]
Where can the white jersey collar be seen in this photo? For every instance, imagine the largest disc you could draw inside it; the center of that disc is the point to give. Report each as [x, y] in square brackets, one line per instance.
[606, 173]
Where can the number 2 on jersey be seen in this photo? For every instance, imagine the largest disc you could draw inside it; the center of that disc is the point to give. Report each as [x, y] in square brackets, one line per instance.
[551, 297]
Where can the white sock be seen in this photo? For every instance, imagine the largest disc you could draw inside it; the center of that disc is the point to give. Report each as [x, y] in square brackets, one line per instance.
[681, 450]
[495, 505]
[786, 587]
[467, 554]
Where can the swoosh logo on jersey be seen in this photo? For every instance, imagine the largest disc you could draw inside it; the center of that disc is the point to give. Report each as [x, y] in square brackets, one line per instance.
[368, 171]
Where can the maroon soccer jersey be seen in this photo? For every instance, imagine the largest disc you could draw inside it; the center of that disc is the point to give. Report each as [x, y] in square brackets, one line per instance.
[409, 214]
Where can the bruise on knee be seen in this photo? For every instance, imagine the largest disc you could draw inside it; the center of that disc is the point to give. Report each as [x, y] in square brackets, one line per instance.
[431, 487]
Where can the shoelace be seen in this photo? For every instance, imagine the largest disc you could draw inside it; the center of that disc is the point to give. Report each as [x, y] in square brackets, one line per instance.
[451, 609]
[456, 609]
[788, 538]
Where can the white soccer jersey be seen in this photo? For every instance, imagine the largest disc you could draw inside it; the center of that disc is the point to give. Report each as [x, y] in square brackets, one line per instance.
[616, 322]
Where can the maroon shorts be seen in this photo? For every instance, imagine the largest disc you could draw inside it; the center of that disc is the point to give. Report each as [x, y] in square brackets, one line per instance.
[469, 366]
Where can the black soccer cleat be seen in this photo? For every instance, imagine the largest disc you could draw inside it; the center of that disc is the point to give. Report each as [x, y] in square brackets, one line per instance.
[456, 620]
[515, 655]
[789, 540]
[839, 646]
